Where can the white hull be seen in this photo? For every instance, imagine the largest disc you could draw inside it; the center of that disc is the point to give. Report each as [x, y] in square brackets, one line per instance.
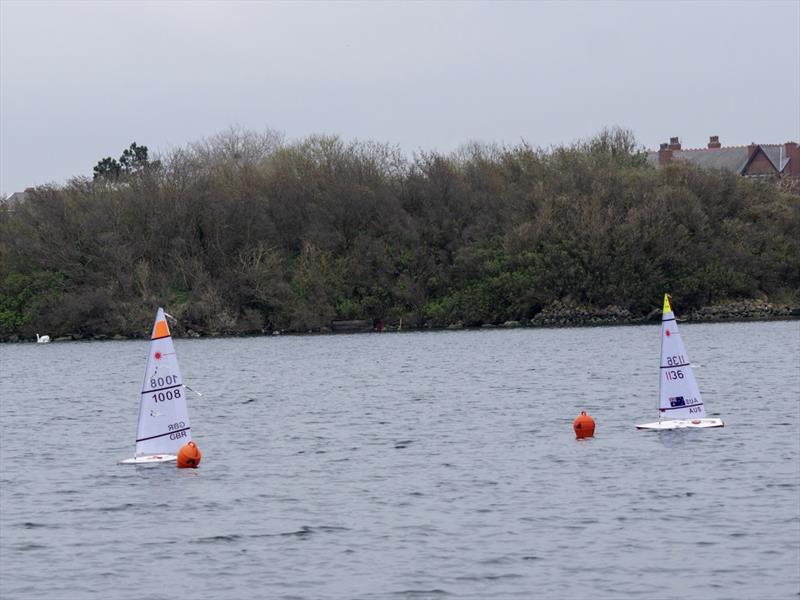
[151, 459]
[682, 424]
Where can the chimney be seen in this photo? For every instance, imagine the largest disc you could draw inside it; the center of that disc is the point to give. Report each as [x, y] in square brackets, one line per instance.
[713, 142]
[664, 155]
[674, 143]
[793, 154]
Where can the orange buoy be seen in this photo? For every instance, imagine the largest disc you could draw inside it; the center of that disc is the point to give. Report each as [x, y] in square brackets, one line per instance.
[189, 456]
[583, 425]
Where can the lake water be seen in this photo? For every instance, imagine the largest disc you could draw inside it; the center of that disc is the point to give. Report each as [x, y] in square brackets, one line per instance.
[411, 465]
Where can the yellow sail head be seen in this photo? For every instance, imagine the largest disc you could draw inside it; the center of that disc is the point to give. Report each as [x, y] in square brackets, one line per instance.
[667, 307]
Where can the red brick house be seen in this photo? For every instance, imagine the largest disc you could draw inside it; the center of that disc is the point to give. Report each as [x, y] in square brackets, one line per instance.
[755, 160]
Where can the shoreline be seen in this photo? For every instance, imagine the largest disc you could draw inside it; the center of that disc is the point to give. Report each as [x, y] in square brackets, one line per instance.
[558, 315]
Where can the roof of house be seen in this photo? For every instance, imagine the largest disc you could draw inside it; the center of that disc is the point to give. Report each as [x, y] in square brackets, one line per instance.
[15, 198]
[733, 158]
[776, 154]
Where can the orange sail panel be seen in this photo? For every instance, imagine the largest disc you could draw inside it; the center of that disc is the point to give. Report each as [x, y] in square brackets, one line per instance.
[160, 329]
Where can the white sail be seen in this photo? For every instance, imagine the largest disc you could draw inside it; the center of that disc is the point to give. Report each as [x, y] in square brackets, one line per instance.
[680, 404]
[163, 415]
[679, 396]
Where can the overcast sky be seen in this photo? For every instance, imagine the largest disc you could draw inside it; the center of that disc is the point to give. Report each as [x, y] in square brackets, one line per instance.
[82, 80]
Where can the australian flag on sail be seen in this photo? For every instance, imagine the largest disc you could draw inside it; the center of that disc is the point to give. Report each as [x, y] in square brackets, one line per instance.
[677, 401]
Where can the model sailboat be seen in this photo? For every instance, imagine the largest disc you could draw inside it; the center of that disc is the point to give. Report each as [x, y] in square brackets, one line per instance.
[679, 397]
[163, 417]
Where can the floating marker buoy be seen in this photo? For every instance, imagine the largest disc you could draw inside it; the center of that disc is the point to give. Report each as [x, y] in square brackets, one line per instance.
[583, 425]
[189, 456]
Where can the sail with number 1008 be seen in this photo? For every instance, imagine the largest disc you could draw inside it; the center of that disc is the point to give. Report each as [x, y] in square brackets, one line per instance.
[163, 426]
[680, 403]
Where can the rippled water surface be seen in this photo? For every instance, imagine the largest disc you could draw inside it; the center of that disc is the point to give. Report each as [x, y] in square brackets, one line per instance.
[412, 465]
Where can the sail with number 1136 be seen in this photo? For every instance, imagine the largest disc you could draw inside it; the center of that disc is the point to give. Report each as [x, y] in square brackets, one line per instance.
[680, 404]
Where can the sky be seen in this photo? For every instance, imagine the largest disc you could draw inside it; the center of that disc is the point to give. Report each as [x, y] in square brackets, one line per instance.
[82, 80]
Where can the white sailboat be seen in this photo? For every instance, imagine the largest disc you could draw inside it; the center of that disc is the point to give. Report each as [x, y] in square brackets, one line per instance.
[679, 397]
[163, 416]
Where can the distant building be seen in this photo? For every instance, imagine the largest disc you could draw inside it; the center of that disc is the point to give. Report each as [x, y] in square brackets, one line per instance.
[15, 198]
[754, 160]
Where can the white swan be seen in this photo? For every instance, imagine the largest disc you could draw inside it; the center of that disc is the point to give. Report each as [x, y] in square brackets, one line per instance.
[43, 339]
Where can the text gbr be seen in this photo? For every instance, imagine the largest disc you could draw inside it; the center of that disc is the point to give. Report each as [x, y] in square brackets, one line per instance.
[178, 430]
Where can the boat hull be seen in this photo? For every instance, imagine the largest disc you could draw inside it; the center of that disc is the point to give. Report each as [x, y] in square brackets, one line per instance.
[151, 459]
[682, 424]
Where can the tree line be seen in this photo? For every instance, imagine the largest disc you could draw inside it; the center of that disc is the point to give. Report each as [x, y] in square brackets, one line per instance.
[247, 232]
